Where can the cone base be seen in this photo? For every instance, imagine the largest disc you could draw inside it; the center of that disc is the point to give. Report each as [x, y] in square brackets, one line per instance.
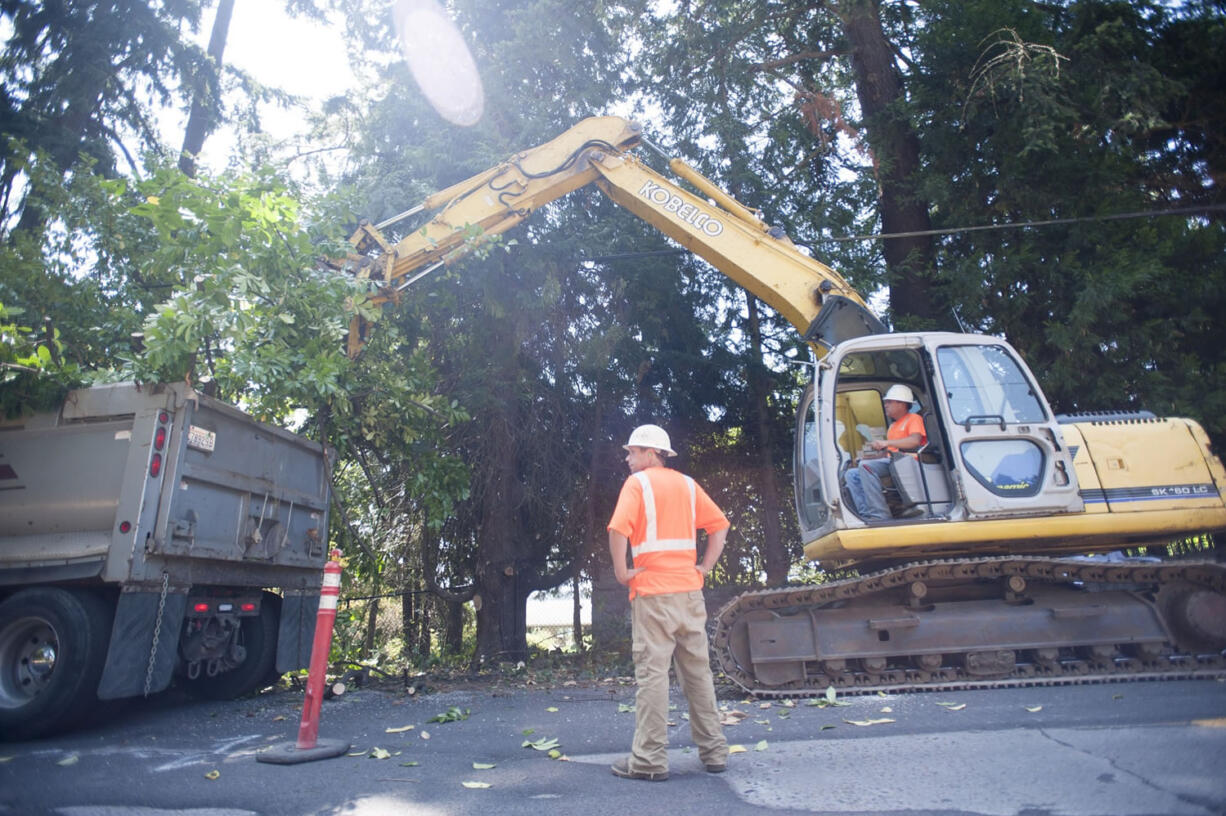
[288, 753]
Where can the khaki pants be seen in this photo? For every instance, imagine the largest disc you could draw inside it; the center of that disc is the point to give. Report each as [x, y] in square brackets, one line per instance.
[672, 628]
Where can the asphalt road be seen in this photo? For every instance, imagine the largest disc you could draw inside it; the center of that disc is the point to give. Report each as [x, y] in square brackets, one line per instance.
[1127, 749]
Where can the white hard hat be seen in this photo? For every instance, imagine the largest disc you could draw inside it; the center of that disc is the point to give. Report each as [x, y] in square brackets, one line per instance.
[900, 393]
[651, 436]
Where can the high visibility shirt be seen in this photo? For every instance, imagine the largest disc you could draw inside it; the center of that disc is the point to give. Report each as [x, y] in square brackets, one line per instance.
[660, 511]
[909, 424]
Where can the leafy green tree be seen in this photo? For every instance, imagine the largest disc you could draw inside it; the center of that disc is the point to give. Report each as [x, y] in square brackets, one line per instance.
[78, 79]
[1082, 112]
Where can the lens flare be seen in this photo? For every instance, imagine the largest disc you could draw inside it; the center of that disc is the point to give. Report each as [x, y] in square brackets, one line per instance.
[440, 61]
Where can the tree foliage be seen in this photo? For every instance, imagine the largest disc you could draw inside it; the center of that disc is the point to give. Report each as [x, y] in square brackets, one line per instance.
[479, 433]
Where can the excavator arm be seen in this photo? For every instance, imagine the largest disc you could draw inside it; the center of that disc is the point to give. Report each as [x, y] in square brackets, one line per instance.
[811, 295]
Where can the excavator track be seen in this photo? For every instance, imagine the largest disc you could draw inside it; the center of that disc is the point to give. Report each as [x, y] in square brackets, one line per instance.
[1061, 621]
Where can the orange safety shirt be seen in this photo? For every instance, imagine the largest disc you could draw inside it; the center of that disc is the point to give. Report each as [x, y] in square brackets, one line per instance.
[659, 511]
[909, 424]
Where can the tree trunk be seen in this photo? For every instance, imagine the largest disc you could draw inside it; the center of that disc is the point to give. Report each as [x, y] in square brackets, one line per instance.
[408, 621]
[453, 635]
[610, 605]
[206, 94]
[372, 618]
[501, 617]
[774, 553]
[576, 611]
[896, 150]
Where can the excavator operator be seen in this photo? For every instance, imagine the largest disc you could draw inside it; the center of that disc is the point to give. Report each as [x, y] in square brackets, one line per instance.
[906, 433]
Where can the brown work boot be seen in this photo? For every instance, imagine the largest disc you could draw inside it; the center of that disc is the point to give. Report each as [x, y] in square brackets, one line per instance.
[622, 768]
[716, 767]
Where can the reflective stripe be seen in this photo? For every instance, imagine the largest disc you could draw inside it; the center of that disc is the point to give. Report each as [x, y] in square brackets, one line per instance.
[664, 545]
[651, 541]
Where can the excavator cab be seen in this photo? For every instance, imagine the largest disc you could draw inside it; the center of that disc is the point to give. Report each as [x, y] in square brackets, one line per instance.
[994, 449]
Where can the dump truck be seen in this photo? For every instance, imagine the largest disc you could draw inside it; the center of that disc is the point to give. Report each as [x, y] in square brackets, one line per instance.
[1000, 561]
[148, 533]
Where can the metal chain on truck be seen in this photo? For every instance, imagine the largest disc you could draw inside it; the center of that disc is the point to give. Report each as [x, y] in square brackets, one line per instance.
[157, 631]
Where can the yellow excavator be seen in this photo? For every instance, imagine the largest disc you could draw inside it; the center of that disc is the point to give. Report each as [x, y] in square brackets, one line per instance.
[1001, 562]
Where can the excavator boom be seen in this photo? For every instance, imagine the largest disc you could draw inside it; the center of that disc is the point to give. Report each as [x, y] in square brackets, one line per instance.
[727, 234]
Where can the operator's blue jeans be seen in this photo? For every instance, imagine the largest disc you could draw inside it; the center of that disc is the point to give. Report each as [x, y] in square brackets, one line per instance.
[864, 484]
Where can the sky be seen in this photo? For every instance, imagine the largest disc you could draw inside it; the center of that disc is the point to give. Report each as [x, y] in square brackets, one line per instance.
[300, 56]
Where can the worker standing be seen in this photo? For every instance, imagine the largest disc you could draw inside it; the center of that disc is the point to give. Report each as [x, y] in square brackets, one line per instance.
[657, 516]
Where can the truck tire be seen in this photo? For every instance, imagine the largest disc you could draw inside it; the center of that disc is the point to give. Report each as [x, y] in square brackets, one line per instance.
[259, 638]
[53, 645]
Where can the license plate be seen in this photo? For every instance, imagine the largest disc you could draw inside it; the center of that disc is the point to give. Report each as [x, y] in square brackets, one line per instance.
[201, 439]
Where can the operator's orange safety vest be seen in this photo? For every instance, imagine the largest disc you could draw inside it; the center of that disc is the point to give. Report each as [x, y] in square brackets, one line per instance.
[661, 528]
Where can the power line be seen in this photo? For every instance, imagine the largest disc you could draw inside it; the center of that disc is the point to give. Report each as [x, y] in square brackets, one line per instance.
[1044, 223]
[1207, 208]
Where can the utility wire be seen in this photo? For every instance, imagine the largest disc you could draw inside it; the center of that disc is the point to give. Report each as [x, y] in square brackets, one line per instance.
[623, 256]
[1045, 223]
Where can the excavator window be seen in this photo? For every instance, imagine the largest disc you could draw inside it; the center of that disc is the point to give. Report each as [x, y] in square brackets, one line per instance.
[985, 385]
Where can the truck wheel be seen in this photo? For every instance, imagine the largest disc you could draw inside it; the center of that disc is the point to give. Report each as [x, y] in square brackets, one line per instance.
[53, 645]
[259, 637]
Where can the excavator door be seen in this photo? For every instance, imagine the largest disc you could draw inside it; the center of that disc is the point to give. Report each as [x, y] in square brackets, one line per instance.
[1009, 448]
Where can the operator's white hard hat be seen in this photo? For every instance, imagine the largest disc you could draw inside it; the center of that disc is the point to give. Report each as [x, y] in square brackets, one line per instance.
[900, 393]
[650, 436]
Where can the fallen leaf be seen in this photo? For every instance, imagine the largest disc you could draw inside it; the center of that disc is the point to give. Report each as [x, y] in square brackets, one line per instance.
[69, 760]
[830, 694]
[453, 714]
[789, 703]
[527, 732]
[542, 744]
[482, 766]
[278, 718]
[764, 705]
[887, 710]
[399, 730]
[379, 753]
[1034, 709]
[952, 706]
[424, 735]
[552, 709]
[412, 764]
[737, 749]
[213, 775]
[625, 708]
[555, 754]
[475, 784]
[869, 722]
[881, 694]
[763, 722]
[761, 746]
[732, 717]
[827, 727]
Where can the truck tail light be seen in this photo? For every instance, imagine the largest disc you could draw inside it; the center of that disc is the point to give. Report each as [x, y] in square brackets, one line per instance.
[248, 607]
[200, 607]
[155, 466]
[159, 439]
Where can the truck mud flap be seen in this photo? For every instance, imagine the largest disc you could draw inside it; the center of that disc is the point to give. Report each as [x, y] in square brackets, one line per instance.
[297, 630]
[128, 660]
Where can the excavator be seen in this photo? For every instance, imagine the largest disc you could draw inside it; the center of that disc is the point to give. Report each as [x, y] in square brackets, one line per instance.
[1002, 562]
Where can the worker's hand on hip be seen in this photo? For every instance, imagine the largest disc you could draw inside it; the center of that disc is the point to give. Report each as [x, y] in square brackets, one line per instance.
[626, 575]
